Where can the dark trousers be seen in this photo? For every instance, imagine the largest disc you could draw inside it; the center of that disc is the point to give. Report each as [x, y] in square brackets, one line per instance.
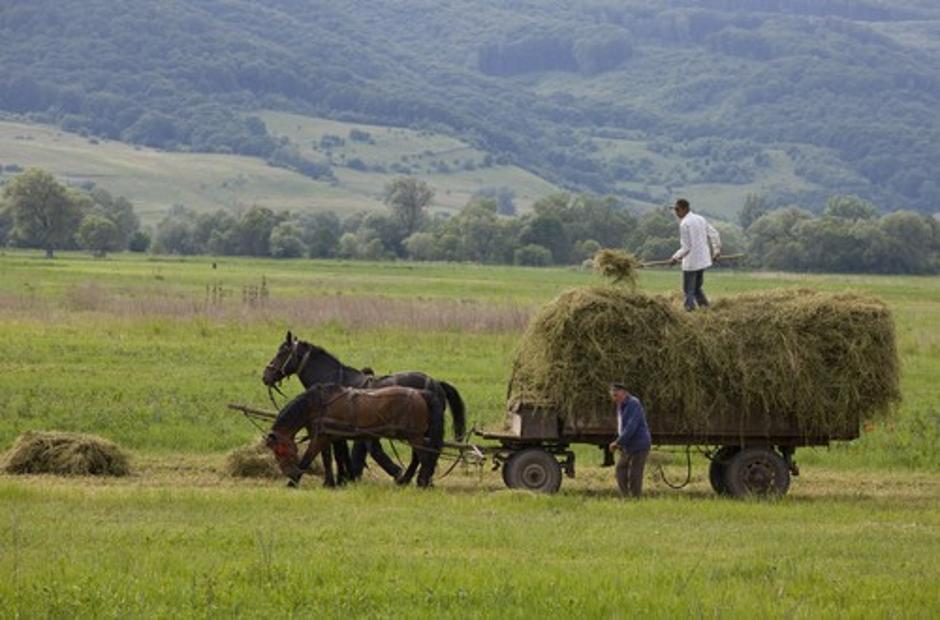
[630, 472]
[692, 289]
[374, 449]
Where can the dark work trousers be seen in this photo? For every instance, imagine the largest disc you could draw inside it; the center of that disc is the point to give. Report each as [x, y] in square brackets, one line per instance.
[374, 449]
[630, 472]
[692, 289]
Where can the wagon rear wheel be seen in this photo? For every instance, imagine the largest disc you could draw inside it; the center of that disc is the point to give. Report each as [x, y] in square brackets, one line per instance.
[759, 472]
[717, 469]
[533, 469]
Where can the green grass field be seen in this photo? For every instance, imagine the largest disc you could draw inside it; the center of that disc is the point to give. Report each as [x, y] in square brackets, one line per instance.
[147, 353]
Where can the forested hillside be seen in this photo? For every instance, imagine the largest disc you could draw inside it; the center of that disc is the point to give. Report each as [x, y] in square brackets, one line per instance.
[591, 95]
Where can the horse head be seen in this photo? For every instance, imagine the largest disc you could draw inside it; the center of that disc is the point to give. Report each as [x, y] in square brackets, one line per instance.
[284, 363]
[285, 453]
[312, 364]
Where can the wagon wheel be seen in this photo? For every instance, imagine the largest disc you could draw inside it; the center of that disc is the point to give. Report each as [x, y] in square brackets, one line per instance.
[533, 469]
[757, 471]
[505, 472]
[718, 468]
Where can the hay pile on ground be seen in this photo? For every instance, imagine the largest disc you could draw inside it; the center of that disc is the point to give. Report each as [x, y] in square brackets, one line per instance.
[66, 454]
[252, 461]
[257, 461]
[767, 360]
[619, 266]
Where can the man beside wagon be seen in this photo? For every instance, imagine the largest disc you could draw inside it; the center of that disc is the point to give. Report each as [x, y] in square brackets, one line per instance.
[633, 440]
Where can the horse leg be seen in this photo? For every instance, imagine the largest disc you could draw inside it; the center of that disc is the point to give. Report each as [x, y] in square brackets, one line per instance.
[405, 478]
[379, 456]
[341, 456]
[328, 480]
[434, 442]
[314, 447]
[357, 459]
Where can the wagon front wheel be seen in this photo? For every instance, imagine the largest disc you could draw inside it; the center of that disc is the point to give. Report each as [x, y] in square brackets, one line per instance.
[757, 472]
[533, 469]
[718, 468]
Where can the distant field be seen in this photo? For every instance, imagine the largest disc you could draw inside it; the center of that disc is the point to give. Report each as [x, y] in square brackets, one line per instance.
[156, 180]
[147, 352]
[197, 337]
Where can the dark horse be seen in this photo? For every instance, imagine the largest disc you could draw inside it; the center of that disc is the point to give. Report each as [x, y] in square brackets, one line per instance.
[329, 412]
[314, 365]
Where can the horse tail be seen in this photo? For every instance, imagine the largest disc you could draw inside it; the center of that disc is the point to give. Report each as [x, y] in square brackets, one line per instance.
[457, 409]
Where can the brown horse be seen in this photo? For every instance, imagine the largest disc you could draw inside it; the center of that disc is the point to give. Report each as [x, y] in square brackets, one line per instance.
[330, 412]
[313, 365]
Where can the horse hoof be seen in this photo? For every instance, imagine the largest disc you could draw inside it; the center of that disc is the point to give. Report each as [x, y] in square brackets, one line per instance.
[293, 484]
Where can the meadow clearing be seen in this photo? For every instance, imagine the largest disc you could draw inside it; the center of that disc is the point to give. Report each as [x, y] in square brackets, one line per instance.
[147, 351]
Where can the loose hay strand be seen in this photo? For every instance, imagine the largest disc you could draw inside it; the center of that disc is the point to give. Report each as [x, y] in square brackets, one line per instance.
[772, 360]
[618, 265]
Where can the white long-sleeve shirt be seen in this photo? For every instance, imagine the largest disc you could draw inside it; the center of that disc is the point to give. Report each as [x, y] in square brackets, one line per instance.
[699, 241]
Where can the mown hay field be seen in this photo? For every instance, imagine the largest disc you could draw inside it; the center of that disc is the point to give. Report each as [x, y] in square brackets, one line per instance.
[146, 353]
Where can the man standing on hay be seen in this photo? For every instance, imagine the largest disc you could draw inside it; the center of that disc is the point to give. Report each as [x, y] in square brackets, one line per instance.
[699, 244]
[633, 440]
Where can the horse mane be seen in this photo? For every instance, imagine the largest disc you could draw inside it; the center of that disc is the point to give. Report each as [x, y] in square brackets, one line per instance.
[318, 350]
[294, 413]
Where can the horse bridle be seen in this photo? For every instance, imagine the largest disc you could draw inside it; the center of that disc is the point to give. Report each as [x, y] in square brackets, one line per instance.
[275, 387]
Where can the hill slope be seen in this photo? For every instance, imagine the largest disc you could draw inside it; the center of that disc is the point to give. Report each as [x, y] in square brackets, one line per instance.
[156, 180]
[586, 94]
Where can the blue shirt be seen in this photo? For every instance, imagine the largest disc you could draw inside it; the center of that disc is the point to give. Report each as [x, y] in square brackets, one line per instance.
[634, 434]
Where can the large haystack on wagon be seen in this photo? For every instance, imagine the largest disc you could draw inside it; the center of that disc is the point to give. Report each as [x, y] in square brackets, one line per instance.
[749, 379]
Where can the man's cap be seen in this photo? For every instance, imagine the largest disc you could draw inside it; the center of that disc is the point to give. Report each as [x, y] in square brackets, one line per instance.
[618, 386]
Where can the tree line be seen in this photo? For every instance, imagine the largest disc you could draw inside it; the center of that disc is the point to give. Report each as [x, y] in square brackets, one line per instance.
[848, 235]
[39, 212]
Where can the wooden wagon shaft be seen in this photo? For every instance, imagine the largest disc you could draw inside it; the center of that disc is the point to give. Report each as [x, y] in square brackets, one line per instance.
[254, 413]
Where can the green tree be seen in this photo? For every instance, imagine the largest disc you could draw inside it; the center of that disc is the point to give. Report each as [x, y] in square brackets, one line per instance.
[754, 207]
[586, 249]
[656, 235]
[139, 242]
[533, 255]
[408, 198]
[175, 232]
[254, 231]
[6, 224]
[420, 246]
[321, 233]
[45, 213]
[216, 233]
[774, 239]
[119, 210]
[286, 241]
[348, 246]
[99, 235]
[850, 208]
[477, 226]
[910, 243]
[548, 232]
